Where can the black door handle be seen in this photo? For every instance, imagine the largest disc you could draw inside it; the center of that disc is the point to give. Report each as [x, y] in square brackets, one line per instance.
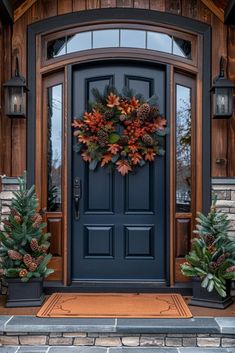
[77, 193]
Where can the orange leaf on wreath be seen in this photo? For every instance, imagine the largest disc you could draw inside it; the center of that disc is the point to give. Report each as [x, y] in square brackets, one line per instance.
[77, 123]
[149, 156]
[113, 148]
[123, 167]
[125, 108]
[106, 159]
[112, 100]
[86, 157]
[84, 139]
[160, 123]
[134, 103]
[133, 148]
[135, 158]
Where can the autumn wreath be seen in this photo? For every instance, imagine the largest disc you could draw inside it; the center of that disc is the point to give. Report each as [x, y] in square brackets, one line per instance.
[121, 131]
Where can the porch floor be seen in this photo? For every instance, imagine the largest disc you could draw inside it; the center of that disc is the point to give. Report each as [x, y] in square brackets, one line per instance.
[197, 311]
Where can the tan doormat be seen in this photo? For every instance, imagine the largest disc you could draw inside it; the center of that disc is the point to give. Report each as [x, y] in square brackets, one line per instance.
[115, 305]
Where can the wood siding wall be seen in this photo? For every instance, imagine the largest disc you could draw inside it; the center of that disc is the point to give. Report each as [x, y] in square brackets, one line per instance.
[13, 41]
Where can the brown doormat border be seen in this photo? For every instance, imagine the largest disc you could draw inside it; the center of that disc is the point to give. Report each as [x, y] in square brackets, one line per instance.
[115, 305]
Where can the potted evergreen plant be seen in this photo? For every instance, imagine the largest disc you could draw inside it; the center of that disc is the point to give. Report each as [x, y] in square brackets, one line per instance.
[23, 249]
[211, 262]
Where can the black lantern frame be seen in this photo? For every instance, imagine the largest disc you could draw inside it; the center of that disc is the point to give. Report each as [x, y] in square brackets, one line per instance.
[222, 95]
[15, 95]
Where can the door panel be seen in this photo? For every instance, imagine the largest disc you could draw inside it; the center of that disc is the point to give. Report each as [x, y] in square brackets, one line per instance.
[120, 234]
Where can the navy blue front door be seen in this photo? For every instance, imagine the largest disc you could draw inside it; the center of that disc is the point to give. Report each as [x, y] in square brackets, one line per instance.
[120, 233]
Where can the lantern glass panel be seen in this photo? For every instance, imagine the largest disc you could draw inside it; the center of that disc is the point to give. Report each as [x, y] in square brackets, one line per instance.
[15, 101]
[223, 102]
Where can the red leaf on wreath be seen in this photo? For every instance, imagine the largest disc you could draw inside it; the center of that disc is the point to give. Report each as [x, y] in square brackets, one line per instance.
[86, 157]
[149, 156]
[106, 159]
[113, 148]
[123, 167]
[112, 101]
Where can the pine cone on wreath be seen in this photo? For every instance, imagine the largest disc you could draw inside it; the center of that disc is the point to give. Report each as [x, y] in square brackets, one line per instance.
[103, 138]
[147, 140]
[34, 244]
[23, 273]
[154, 112]
[143, 111]
[108, 114]
[27, 259]
[123, 140]
[14, 255]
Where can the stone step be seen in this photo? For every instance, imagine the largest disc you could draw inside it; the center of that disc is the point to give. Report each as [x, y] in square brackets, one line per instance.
[71, 349]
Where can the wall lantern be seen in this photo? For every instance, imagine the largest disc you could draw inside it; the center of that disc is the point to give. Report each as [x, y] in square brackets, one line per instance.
[15, 95]
[222, 95]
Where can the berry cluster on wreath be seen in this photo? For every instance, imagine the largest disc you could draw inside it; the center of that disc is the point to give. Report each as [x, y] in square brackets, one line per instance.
[121, 131]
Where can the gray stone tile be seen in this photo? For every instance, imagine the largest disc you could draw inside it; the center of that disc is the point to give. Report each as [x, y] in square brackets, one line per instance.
[202, 350]
[35, 324]
[142, 350]
[3, 320]
[195, 325]
[63, 349]
[32, 349]
[8, 349]
[226, 324]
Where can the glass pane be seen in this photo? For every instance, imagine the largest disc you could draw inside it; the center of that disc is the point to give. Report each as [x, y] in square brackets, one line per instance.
[106, 38]
[159, 42]
[54, 147]
[78, 42]
[133, 38]
[183, 149]
[56, 48]
[182, 47]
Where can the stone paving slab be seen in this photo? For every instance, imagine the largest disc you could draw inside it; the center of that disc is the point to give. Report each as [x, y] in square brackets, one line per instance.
[195, 325]
[226, 324]
[3, 320]
[35, 324]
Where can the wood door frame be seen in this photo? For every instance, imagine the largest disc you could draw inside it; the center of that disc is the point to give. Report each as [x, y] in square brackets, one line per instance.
[202, 72]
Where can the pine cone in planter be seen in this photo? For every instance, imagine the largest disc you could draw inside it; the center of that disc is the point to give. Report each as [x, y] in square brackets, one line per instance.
[23, 273]
[32, 267]
[14, 255]
[37, 220]
[34, 244]
[209, 239]
[27, 259]
[39, 259]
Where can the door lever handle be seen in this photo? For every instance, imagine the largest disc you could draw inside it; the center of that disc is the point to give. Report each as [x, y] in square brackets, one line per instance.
[77, 193]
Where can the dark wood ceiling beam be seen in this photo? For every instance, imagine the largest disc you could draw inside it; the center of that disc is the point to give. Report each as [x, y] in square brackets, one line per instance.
[229, 13]
[6, 11]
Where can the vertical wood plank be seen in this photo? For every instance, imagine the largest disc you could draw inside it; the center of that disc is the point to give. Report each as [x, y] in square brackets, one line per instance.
[65, 6]
[205, 15]
[19, 39]
[125, 3]
[173, 6]
[190, 8]
[49, 8]
[142, 4]
[92, 4]
[231, 76]
[79, 5]
[219, 126]
[108, 3]
[158, 5]
[5, 122]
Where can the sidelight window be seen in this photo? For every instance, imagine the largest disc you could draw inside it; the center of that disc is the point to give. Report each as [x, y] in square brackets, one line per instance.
[54, 147]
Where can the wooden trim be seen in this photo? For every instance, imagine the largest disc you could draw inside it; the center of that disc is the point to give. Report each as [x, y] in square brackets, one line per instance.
[214, 9]
[22, 9]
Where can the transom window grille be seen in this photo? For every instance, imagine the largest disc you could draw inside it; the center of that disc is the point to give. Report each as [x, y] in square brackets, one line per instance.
[119, 38]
